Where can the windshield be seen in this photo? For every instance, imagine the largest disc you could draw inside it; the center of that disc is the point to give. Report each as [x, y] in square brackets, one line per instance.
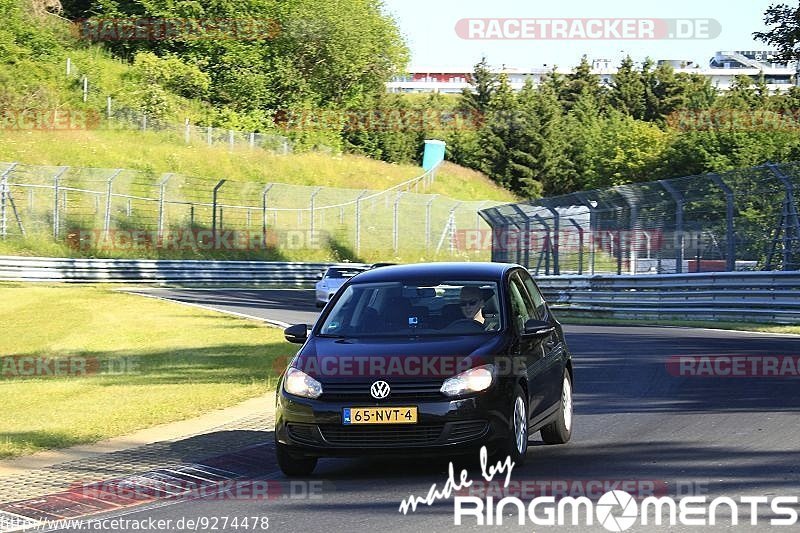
[401, 309]
[341, 273]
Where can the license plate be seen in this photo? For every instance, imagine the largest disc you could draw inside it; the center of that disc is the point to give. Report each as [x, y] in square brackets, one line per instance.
[379, 415]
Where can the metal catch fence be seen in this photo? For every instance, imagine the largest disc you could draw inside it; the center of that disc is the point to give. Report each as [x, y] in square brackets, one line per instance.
[744, 219]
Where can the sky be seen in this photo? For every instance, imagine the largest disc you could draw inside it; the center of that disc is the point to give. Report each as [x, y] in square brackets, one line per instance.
[429, 27]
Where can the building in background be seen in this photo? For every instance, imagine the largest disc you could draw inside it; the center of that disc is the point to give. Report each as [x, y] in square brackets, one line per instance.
[721, 69]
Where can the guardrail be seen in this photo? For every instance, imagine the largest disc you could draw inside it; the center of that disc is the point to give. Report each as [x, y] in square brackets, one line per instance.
[734, 296]
[160, 271]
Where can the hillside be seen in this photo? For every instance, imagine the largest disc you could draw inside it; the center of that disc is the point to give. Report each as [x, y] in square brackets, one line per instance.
[46, 71]
[158, 153]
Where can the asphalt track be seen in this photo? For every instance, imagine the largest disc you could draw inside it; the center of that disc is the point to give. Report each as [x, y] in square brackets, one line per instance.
[635, 422]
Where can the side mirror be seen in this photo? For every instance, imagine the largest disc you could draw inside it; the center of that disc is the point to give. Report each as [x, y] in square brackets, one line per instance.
[296, 334]
[538, 328]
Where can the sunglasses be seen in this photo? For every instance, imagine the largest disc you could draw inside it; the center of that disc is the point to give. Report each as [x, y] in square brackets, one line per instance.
[469, 303]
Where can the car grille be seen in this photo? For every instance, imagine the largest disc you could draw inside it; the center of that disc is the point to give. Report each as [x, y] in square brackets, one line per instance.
[384, 437]
[410, 390]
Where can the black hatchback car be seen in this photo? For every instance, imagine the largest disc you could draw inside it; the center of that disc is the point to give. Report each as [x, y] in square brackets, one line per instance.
[439, 358]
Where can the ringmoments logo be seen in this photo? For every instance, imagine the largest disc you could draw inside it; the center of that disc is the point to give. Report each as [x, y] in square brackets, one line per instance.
[615, 510]
[618, 510]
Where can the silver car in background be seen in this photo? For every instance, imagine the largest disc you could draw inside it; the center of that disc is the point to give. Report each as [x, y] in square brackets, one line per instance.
[331, 281]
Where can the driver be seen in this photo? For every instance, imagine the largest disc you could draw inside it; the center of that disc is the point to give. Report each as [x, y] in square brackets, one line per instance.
[472, 303]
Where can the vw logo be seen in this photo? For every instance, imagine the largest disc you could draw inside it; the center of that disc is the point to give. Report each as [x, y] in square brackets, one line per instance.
[379, 390]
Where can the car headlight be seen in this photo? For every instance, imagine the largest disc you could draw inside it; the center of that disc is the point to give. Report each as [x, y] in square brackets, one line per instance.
[473, 380]
[301, 384]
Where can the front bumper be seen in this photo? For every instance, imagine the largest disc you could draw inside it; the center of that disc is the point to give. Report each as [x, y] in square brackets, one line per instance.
[314, 427]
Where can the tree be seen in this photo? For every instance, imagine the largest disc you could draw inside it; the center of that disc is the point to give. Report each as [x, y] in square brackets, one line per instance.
[497, 134]
[583, 130]
[581, 81]
[628, 90]
[784, 33]
[742, 95]
[484, 83]
[290, 54]
[524, 166]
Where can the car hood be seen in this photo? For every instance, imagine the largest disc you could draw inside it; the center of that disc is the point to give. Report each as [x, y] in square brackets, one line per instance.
[398, 358]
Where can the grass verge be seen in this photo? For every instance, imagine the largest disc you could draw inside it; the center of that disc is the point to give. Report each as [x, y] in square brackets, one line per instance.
[146, 362]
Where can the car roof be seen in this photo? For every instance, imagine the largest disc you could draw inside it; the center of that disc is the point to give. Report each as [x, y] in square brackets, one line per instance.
[458, 271]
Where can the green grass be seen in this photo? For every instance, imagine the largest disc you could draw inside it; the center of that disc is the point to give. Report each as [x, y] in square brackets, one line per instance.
[738, 326]
[246, 170]
[161, 152]
[184, 362]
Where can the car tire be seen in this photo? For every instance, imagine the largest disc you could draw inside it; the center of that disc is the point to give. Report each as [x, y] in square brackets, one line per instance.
[559, 431]
[293, 465]
[516, 443]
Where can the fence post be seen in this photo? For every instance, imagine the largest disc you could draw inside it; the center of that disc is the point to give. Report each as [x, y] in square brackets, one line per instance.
[264, 193]
[478, 215]
[230, 139]
[428, 222]
[187, 132]
[730, 239]
[214, 207]
[580, 245]
[678, 238]
[311, 209]
[395, 225]
[554, 242]
[162, 186]
[3, 200]
[208, 135]
[56, 180]
[109, 190]
[789, 224]
[108, 107]
[450, 228]
[85, 88]
[358, 221]
[144, 121]
[252, 140]
[629, 195]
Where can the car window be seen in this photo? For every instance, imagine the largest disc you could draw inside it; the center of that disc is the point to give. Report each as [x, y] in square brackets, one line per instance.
[535, 295]
[520, 309]
[440, 307]
[341, 273]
